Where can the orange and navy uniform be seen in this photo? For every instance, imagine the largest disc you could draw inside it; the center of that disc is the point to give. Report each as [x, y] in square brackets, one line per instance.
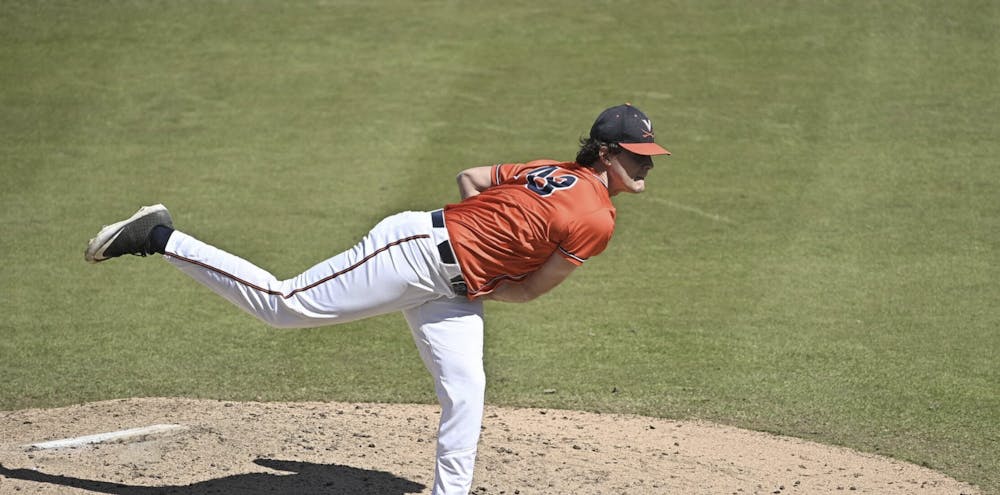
[530, 212]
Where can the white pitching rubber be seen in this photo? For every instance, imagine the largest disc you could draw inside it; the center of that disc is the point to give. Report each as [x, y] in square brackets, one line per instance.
[105, 437]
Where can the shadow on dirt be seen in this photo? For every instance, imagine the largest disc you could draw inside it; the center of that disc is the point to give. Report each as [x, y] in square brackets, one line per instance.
[308, 479]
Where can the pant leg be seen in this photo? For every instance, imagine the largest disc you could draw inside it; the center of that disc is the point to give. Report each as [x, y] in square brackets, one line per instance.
[448, 333]
[396, 266]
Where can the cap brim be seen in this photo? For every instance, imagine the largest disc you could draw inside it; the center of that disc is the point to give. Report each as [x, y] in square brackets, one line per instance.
[648, 149]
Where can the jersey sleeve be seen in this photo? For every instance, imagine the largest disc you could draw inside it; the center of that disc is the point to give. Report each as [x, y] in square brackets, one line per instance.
[588, 236]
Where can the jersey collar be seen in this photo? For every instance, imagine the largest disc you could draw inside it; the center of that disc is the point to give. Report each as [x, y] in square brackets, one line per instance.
[600, 179]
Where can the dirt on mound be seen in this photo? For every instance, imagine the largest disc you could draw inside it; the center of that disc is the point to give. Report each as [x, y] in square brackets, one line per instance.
[219, 447]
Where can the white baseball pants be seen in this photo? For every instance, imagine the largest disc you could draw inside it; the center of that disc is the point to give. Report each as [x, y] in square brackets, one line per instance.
[396, 267]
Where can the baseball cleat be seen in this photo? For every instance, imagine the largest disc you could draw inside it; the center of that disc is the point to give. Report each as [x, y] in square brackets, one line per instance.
[129, 236]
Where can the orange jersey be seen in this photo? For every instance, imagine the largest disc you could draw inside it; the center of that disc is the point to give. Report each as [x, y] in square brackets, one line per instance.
[530, 212]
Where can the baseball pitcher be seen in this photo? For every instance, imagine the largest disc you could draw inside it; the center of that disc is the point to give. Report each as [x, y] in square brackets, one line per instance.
[520, 230]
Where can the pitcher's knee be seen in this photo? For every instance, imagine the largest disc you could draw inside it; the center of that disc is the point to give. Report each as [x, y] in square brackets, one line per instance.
[281, 313]
[469, 391]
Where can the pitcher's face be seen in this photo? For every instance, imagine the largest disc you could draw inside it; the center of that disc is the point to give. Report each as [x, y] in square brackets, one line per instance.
[627, 172]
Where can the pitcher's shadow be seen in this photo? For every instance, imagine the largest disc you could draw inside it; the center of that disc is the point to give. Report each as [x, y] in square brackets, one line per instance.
[309, 479]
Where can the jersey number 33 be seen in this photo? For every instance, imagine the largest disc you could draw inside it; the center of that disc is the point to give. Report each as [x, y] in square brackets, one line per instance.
[542, 182]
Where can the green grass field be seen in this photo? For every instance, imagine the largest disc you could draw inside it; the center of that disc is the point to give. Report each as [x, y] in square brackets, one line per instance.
[819, 258]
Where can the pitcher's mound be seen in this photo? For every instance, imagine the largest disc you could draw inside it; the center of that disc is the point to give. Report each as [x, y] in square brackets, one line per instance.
[335, 448]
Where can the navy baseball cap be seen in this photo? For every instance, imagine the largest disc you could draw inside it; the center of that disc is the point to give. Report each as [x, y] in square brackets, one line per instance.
[628, 127]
